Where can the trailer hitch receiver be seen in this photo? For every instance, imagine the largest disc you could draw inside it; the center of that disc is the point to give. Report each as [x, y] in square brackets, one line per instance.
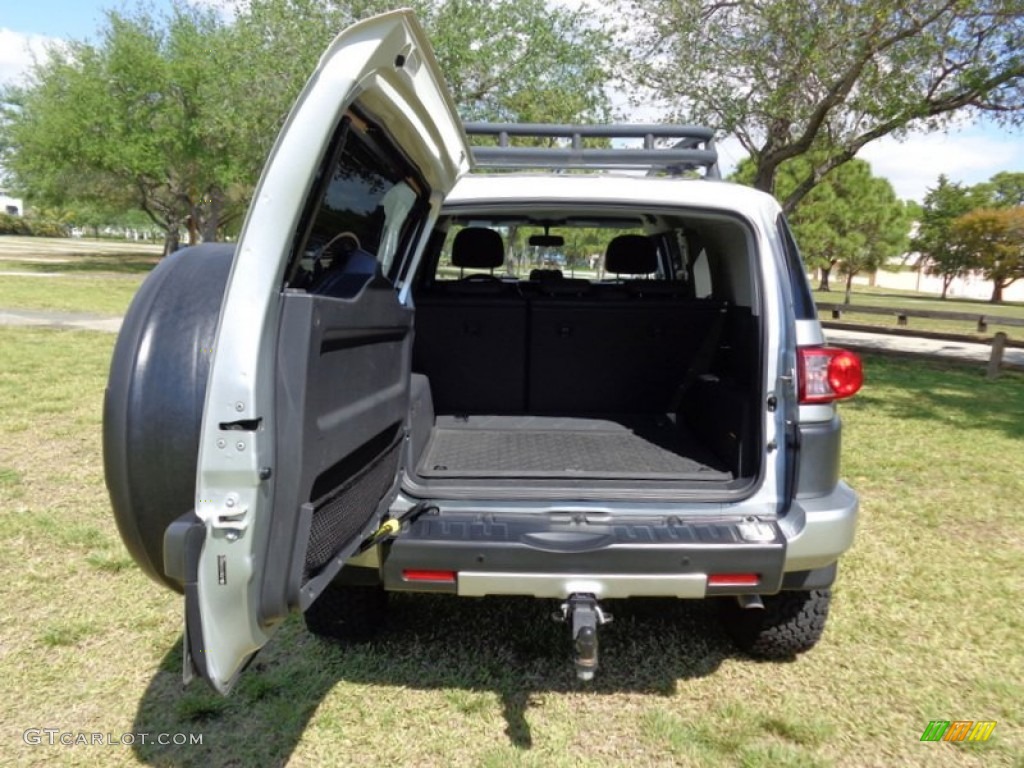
[583, 615]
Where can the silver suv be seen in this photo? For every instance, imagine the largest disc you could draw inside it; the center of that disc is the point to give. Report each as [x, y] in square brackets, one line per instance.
[600, 380]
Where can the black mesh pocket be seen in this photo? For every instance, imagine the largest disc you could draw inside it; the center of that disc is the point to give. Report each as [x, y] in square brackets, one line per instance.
[342, 513]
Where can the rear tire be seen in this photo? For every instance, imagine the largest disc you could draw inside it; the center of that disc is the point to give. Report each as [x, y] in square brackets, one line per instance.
[348, 613]
[791, 623]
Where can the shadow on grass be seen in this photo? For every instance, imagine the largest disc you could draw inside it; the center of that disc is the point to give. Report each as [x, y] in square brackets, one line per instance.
[130, 264]
[946, 393]
[506, 646]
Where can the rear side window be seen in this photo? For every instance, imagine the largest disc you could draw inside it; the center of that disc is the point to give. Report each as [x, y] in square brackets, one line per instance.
[362, 216]
[803, 303]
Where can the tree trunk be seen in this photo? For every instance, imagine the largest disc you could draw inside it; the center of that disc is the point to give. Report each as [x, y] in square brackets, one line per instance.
[997, 292]
[825, 273]
[171, 240]
[193, 229]
[849, 288]
[764, 178]
[946, 282]
[211, 225]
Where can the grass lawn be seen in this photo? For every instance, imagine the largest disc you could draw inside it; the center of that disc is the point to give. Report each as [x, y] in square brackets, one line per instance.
[72, 275]
[875, 297]
[95, 294]
[926, 622]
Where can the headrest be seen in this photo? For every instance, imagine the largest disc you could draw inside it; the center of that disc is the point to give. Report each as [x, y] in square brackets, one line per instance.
[478, 248]
[546, 274]
[631, 255]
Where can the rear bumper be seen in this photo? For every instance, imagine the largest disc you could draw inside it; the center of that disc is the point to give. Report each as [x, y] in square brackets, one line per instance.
[524, 556]
[476, 554]
[818, 530]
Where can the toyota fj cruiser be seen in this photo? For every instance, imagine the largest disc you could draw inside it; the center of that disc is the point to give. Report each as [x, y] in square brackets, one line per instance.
[423, 368]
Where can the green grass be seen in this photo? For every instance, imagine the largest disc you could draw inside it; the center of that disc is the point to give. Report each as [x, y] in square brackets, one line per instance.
[71, 275]
[94, 295]
[926, 621]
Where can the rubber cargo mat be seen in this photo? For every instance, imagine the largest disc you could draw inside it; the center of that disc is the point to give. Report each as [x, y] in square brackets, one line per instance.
[553, 447]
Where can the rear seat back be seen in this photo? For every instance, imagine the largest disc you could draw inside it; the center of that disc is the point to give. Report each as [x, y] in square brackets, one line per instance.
[471, 333]
[614, 357]
[571, 347]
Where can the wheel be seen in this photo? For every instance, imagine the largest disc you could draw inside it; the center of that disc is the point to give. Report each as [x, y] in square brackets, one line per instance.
[347, 612]
[153, 407]
[791, 623]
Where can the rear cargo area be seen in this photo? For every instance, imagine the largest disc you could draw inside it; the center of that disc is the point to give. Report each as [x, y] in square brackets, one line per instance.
[645, 373]
[622, 447]
[584, 393]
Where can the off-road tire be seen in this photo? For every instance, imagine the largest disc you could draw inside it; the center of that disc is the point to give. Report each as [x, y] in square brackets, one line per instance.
[791, 623]
[348, 613]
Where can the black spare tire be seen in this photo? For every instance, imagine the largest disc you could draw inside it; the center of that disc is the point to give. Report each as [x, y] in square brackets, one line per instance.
[153, 408]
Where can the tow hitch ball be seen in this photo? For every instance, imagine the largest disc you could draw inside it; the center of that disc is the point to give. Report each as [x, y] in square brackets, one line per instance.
[583, 615]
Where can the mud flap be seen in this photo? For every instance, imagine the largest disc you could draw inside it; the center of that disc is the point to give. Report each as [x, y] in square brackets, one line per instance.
[183, 543]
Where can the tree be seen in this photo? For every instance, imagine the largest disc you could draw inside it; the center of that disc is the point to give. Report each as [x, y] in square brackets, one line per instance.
[883, 224]
[521, 60]
[825, 77]
[175, 114]
[852, 221]
[940, 254]
[1004, 190]
[124, 123]
[995, 239]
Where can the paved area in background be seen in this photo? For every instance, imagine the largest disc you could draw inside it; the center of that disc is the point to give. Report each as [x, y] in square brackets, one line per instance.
[879, 342]
[909, 345]
[54, 319]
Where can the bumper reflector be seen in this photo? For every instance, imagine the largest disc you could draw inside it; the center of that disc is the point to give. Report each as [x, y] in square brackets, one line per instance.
[733, 580]
[447, 577]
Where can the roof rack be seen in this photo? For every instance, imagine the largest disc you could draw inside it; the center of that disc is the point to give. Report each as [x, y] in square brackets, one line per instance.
[693, 148]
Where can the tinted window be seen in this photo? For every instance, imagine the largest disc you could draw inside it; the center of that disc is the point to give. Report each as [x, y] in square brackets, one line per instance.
[803, 303]
[362, 217]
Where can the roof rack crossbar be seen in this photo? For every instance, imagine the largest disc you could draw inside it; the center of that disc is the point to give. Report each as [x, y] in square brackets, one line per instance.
[693, 149]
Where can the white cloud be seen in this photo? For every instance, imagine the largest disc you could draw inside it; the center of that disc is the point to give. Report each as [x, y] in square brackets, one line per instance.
[17, 50]
[969, 155]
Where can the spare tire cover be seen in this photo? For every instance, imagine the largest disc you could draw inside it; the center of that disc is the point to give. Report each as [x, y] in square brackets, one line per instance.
[153, 407]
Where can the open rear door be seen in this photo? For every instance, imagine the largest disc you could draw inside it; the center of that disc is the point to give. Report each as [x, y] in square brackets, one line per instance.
[309, 386]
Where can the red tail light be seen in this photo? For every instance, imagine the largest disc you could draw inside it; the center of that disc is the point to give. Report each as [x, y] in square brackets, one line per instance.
[828, 373]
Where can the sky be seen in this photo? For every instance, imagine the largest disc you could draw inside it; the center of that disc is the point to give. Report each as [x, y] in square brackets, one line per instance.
[969, 154]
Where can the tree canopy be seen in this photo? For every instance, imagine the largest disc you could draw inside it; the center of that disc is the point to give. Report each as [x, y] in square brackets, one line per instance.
[823, 78]
[940, 254]
[174, 114]
[994, 240]
[852, 221]
[126, 123]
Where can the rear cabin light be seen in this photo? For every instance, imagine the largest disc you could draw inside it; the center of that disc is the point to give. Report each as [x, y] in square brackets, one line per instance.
[447, 577]
[828, 373]
[733, 580]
